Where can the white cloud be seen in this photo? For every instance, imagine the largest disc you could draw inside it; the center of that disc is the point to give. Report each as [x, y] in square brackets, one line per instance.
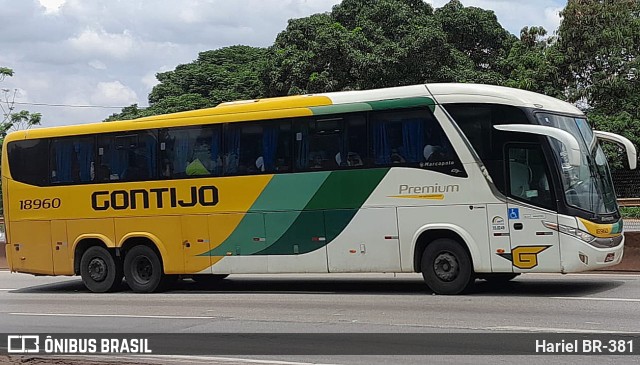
[113, 93]
[552, 17]
[98, 65]
[71, 51]
[52, 6]
[100, 42]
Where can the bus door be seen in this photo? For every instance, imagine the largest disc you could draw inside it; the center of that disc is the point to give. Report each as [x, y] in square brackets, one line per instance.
[31, 246]
[196, 244]
[531, 204]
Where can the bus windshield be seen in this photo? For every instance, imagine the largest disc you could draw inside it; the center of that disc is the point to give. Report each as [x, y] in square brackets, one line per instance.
[588, 187]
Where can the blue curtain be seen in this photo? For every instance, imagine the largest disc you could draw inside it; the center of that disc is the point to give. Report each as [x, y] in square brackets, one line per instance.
[381, 149]
[215, 151]
[269, 147]
[233, 150]
[64, 152]
[413, 139]
[183, 148]
[84, 153]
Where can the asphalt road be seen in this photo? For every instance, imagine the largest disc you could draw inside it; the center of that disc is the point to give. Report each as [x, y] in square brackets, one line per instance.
[375, 303]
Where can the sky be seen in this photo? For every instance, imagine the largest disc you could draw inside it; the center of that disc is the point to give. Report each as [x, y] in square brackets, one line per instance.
[86, 59]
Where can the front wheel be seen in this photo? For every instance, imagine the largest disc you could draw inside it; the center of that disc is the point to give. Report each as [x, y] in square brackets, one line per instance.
[446, 267]
[143, 270]
[99, 270]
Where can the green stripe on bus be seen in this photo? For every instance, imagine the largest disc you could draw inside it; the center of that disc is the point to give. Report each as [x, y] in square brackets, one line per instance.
[289, 193]
[403, 103]
[340, 108]
[328, 209]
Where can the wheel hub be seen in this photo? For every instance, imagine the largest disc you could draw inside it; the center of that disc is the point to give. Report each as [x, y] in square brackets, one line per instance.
[446, 266]
[143, 270]
[97, 269]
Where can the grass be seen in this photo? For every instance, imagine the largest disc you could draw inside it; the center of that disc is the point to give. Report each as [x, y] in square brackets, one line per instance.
[630, 212]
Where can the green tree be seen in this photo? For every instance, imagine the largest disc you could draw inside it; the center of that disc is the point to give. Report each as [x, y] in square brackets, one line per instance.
[535, 63]
[361, 44]
[600, 40]
[225, 74]
[12, 120]
[477, 34]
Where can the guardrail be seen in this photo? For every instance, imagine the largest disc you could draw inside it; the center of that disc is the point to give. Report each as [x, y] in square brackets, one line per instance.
[629, 202]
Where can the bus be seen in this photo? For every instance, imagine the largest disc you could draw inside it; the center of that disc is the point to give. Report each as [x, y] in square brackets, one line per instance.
[455, 181]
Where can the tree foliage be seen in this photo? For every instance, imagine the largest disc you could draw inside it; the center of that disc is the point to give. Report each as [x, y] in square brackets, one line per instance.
[362, 44]
[216, 76]
[534, 63]
[600, 40]
[12, 120]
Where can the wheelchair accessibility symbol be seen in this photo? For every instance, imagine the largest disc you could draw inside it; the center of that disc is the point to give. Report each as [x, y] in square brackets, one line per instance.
[514, 213]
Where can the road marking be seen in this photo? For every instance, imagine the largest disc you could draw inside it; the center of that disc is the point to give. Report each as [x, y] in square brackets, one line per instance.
[201, 359]
[553, 330]
[8, 289]
[108, 315]
[600, 299]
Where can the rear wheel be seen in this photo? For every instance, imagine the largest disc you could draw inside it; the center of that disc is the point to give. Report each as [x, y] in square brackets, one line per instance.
[143, 270]
[99, 270]
[446, 267]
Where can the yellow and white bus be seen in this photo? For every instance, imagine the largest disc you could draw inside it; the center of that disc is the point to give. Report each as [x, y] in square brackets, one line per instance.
[456, 181]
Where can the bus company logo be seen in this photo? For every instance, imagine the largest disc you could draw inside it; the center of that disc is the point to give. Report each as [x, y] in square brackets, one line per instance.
[23, 344]
[524, 257]
[205, 196]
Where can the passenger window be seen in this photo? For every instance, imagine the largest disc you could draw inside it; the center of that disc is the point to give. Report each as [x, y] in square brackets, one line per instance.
[412, 138]
[26, 162]
[192, 151]
[528, 178]
[128, 156]
[72, 160]
[331, 143]
[257, 148]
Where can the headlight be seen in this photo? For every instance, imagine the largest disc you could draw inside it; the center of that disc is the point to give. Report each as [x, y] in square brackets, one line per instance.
[584, 236]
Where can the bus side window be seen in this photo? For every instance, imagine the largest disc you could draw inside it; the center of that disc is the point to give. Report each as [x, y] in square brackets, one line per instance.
[318, 141]
[331, 143]
[26, 162]
[72, 160]
[130, 157]
[258, 147]
[398, 137]
[528, 178]
[192, 151]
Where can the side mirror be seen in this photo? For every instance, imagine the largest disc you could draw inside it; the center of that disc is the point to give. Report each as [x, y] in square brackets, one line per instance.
[632, 155]
[569, 141]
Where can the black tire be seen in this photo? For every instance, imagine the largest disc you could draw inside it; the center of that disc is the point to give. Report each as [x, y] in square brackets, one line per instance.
[100, 271]
[208, 279]
[446, 267]
[498, 277]
[143, 270]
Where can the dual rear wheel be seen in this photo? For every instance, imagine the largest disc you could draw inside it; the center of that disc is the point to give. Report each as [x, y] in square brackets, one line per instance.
[102, 272]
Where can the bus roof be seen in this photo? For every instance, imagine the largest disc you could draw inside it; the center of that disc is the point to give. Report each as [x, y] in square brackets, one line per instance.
[308, 105]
